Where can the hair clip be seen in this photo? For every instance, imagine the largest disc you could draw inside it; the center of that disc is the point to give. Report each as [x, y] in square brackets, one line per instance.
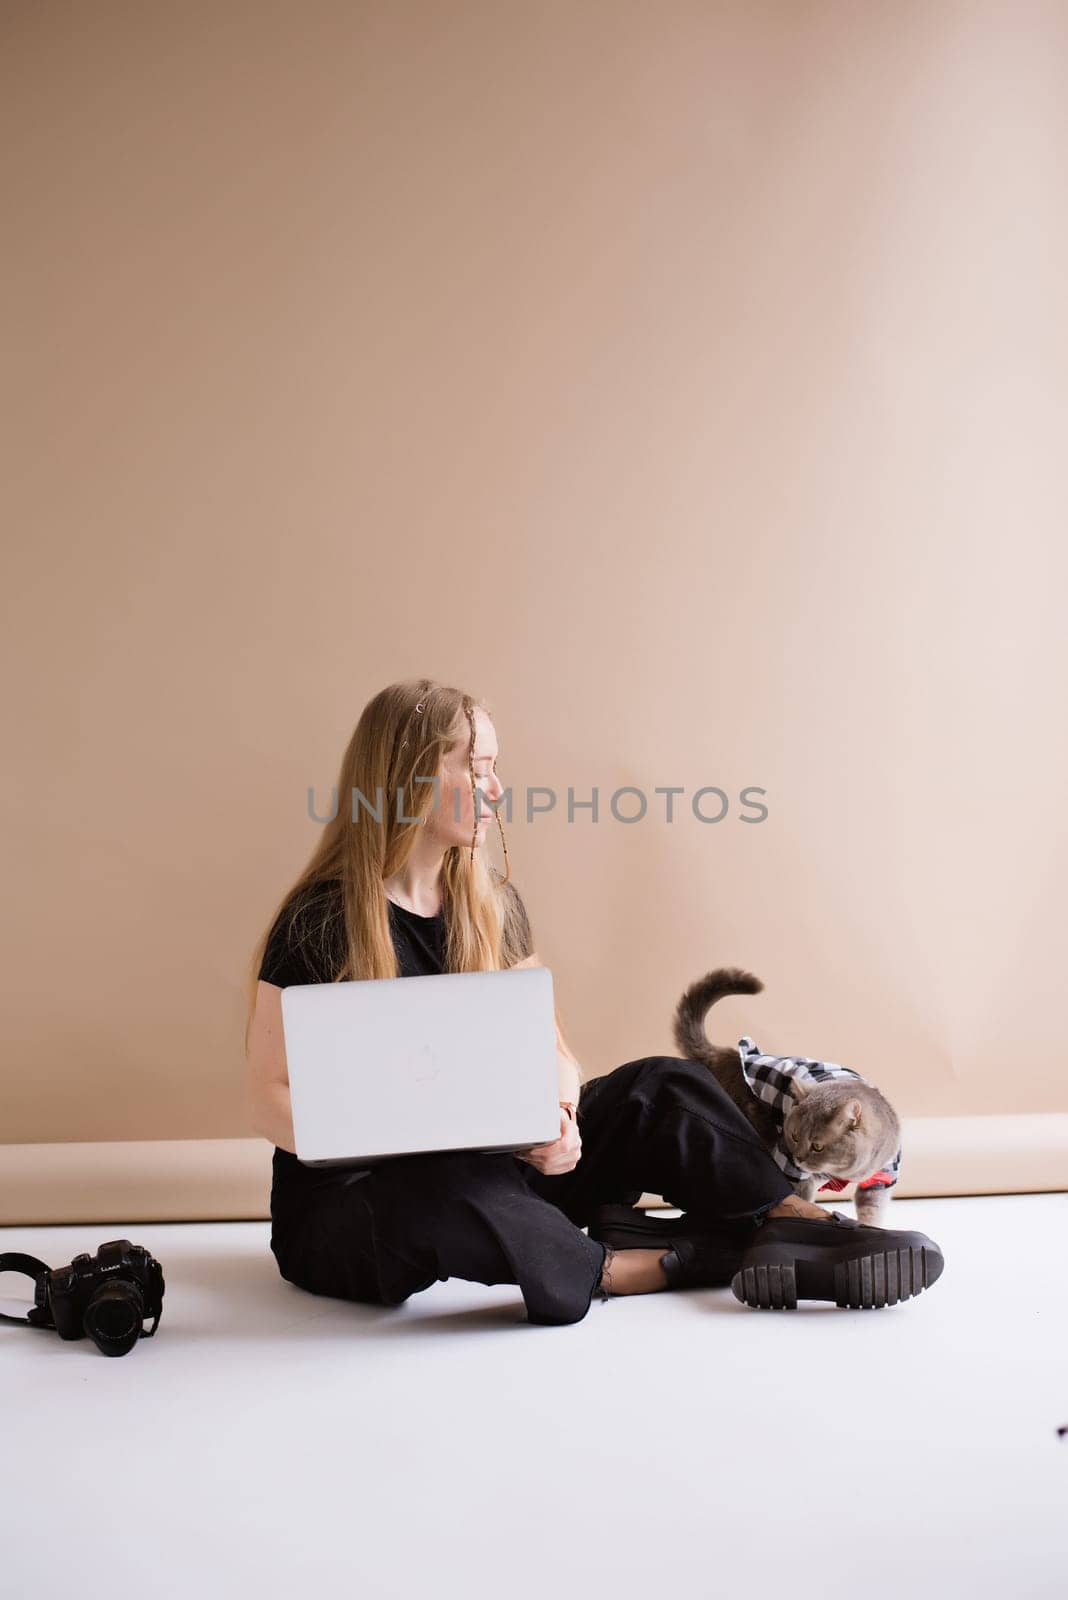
[420, 706]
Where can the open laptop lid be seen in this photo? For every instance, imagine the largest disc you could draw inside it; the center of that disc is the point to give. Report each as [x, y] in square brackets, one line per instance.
[383, 1067]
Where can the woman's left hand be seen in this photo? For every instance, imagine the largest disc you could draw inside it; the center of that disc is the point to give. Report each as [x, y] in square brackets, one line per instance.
[562, 1155]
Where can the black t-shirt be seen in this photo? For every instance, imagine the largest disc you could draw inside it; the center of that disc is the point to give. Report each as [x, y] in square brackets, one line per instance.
[306, 945]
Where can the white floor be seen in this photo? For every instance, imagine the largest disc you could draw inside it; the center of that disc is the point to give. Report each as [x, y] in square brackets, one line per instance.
[269, 1442]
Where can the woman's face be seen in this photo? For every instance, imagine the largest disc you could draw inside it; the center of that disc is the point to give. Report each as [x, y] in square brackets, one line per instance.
[451, 823]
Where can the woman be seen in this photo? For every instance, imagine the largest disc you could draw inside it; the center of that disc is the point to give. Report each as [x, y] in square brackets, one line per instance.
[399, 886]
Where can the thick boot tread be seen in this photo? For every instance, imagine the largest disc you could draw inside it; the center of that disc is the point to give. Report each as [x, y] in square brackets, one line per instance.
[882, 1279]
[868, 1282]
[772, 1287]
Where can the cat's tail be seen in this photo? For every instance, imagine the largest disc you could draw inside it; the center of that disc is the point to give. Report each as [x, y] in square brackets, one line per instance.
[725, 1065]
[689, 1025]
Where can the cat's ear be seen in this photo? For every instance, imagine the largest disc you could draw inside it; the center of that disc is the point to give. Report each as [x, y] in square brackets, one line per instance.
[853, 1112]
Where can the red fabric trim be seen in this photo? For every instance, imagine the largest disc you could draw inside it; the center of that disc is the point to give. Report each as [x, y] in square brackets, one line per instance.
[878, 1180]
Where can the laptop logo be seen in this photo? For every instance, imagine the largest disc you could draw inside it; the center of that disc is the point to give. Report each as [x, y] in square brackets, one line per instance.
[427, 1066]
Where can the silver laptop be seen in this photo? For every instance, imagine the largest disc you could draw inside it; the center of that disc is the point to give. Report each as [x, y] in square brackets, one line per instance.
[386, 1067]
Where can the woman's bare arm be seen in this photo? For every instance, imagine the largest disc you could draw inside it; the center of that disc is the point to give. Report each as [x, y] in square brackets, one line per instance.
[569, 1071]
[267, 1099]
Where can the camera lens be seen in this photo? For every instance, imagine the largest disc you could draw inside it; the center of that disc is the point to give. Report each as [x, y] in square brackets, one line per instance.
[114, 1316]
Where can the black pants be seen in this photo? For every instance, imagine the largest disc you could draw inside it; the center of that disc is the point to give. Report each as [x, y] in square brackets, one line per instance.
[660, 1125]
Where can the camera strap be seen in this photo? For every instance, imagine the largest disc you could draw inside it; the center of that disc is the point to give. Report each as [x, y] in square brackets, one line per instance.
[17, 1261]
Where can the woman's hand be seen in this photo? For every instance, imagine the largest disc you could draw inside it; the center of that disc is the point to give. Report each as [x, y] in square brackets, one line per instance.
[560, 1156]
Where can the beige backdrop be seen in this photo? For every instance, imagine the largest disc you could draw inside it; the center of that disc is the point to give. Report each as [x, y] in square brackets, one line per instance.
[687, 379]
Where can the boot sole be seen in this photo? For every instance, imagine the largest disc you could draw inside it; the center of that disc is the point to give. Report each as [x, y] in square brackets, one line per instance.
[867, 1282]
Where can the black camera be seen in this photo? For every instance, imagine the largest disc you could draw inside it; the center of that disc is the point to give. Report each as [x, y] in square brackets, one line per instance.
[105, 1297]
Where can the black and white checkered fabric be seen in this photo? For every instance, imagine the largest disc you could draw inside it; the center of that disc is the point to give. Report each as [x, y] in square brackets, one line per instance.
[772, 1079]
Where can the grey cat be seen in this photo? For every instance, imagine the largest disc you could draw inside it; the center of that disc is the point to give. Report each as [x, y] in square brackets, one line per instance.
[841, 1128]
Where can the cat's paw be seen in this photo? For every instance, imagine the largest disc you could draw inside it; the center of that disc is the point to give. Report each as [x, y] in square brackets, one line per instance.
[872, 1215]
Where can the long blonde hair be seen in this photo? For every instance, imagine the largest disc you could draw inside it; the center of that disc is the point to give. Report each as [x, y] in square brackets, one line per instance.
[403, 733]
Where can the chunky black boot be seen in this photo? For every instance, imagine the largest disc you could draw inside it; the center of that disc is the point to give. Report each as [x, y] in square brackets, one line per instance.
[799, 1258]
[697, 1253]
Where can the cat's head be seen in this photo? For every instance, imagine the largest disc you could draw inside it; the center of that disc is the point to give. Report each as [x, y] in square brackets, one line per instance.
[842, 1126]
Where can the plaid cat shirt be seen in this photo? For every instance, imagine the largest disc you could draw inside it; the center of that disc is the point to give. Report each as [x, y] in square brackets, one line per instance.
[771, 1078]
